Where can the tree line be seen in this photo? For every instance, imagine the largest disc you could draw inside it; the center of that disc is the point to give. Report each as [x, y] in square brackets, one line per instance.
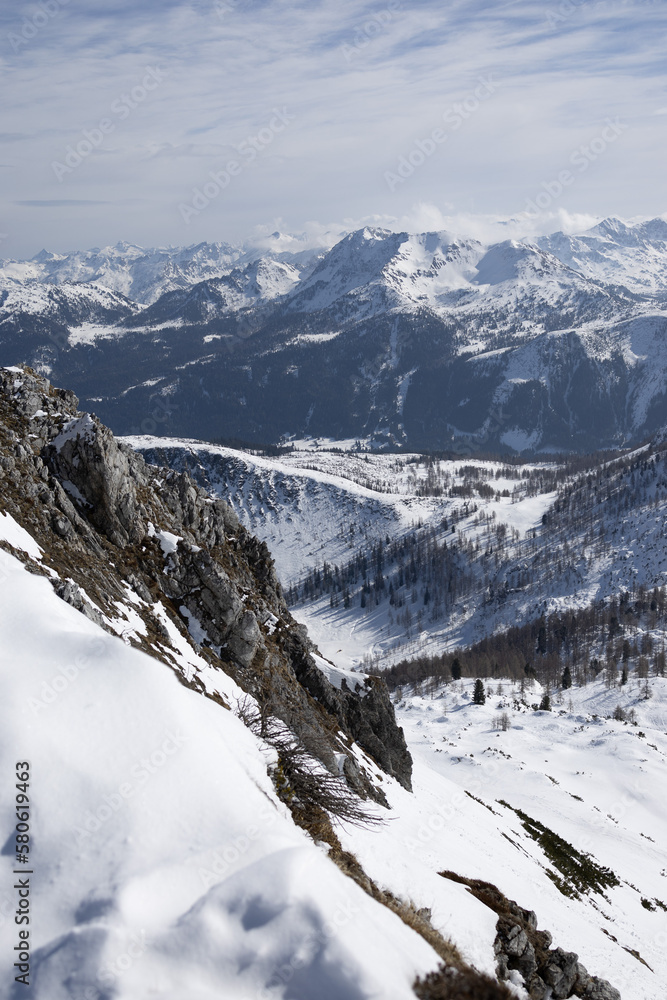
[559, 649]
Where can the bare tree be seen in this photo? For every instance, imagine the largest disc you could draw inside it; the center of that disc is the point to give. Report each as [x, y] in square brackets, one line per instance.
[301, 781]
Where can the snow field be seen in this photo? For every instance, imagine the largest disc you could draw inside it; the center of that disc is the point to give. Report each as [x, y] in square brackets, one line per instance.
[593, 781]
[163, 861]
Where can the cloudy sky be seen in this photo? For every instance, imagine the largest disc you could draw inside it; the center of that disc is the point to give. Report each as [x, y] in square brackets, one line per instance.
[171, 122]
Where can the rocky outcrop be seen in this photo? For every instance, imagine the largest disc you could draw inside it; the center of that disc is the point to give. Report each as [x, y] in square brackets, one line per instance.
[110, 524]
[549, 973]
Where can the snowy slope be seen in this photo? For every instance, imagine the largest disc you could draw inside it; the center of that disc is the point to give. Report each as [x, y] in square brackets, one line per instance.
[586, 542]
[317, 507]
[252, 284]
[304, 516]
[68, 302]
[163, 862]
[312, 507]
[588, 778]
[392, 269]
[145, 274]
[320, 506]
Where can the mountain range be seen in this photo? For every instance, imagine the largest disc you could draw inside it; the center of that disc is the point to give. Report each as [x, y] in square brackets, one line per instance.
[419, 341]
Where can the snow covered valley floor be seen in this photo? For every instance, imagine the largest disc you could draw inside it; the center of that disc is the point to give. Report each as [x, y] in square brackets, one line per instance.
[389, 557]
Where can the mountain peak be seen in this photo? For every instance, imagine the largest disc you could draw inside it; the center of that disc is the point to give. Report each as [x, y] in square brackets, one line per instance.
[46, 255]
[368, 234]
[609, 227]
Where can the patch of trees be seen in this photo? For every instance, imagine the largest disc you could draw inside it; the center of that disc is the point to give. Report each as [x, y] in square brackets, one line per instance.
[431, 572]
[559, 649]
[428, 567]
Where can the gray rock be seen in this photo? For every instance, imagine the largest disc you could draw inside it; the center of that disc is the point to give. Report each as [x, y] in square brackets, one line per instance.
[244, 638]
[62, 525]
[527, 963]
[139, 587]
[517, 941]
[599, 989]
[70, 593]
[520, 946]
[562, 972]
[537, 988]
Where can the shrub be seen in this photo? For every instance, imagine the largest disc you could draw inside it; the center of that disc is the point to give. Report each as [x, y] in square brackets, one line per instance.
[459, 984]
[502, 722]
[301, 781]
[579, 873]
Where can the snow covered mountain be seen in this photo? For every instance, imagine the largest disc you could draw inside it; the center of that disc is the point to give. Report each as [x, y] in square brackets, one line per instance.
[388, 270]
[616, 253]
[426, 341]
[186, 750]
[242, 288]
[145, 274]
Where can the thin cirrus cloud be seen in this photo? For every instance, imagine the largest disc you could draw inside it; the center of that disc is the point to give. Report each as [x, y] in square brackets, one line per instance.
[59, 202]
[166, 94]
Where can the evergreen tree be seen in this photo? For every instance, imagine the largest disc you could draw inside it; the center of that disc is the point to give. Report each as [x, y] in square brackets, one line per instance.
[542, 640]
[567, 678]
[478, 695]
[456, 670]
[545, 704]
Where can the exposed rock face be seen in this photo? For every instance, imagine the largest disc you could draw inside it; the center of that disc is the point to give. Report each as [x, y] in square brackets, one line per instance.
[107, 522]
[547, 972]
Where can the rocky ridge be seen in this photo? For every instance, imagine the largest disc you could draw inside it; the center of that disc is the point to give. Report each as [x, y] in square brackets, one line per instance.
[548, 973]
[149, 555]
